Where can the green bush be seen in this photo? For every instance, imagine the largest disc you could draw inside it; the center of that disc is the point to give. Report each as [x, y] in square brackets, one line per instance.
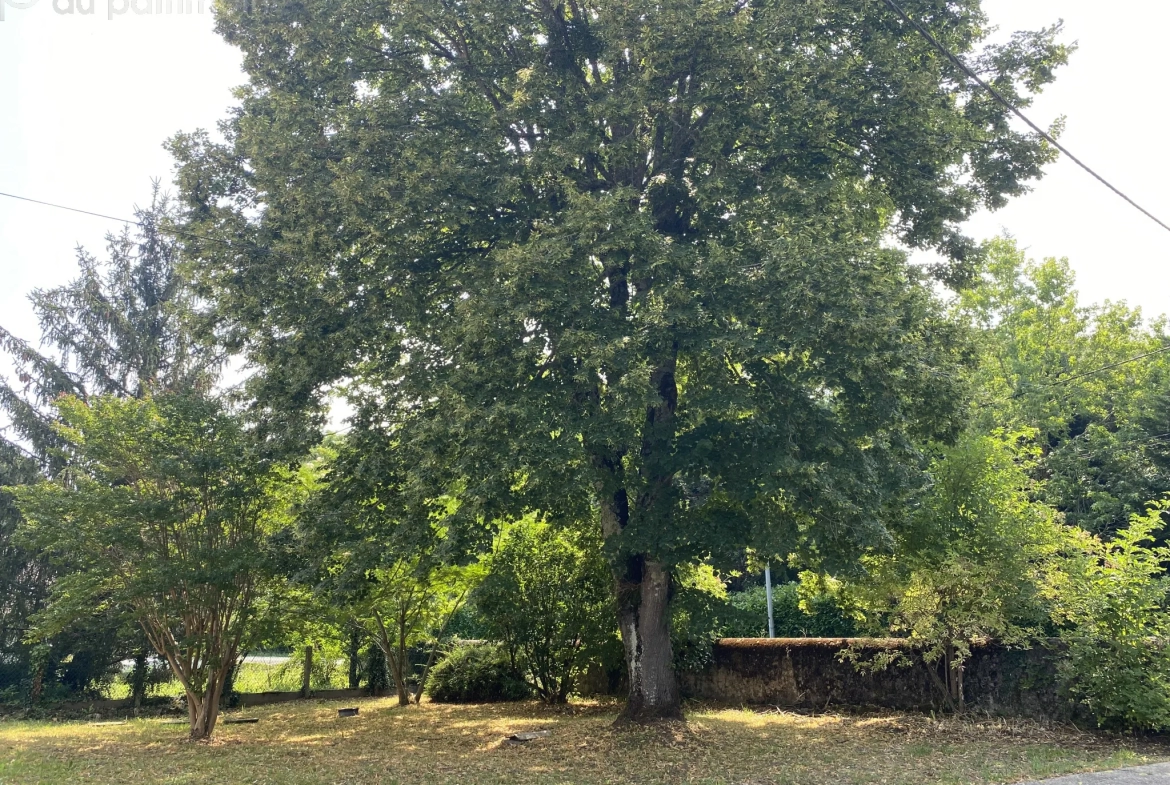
[746, 615]
[698, 615]
[1113, 601]
[702, 613]
[547, 598]
[476, 673]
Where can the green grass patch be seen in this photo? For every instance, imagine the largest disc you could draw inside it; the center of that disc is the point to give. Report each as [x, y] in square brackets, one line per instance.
[252, 677]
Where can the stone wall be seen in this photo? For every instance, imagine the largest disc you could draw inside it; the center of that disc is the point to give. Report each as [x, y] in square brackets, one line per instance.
[246, 699]
[810, 673]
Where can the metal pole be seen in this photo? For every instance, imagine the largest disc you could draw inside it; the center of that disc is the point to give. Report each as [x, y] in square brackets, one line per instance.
[768, 587]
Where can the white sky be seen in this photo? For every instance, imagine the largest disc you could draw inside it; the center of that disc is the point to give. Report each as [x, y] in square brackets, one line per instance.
[86, 102]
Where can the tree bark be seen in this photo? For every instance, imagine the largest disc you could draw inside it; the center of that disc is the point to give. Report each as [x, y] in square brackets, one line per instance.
[355, 645]
[644, 620]
[643, 584]
[398, 673]
[203, 710]
[307, 673]
[954, 669]
[138, 687]
[395, 654]
[643, 589]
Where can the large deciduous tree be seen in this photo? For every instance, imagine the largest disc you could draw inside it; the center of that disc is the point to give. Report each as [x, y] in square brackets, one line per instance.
[616, 261]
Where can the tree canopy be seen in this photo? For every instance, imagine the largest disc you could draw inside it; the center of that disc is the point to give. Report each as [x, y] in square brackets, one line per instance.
[1091, 381]
[165, 511]
[616, 262]
[123, 327]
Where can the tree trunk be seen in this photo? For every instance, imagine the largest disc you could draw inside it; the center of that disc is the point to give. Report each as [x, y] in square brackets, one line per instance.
[228, 699]
[138, 680]
[38, 681]
[403, 668]
[398, 674]
[193, 703]
[644, 620]
[643, 585]
[954, 669]
[395, 654]
[355, 646]
[307, 673]
[203, 711]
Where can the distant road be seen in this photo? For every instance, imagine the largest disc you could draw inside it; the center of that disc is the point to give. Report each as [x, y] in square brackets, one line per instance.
[1156, 774]
[256, 659]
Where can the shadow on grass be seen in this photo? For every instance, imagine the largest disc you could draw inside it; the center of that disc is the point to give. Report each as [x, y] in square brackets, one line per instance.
[308, 743]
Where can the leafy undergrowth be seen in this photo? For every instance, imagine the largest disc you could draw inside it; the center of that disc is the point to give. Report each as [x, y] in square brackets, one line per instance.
[432, 743]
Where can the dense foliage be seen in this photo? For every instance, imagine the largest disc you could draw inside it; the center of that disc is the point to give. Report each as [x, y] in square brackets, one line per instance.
[165, 512]
[389, 571]
[813, 615]
[1090, 382]
[611, 290]
[973, 558]
[616, 260]
[125, 327]
[547, 597]
[1043, 530]
[1114, 604]
[24, 581]
[477, 673]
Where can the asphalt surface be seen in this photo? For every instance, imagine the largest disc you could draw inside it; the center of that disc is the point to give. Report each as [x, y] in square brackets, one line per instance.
[1156, 774]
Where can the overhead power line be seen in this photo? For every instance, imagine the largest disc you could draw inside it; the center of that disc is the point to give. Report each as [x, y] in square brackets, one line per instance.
[129, 221]
[1014, 110]
[1081, 448]
[1108, 367]
[71, 209]
[897, 9]
[1068, 379]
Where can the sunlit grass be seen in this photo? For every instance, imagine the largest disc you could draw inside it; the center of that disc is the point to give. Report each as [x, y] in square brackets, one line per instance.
[308, 743]
[251, 677]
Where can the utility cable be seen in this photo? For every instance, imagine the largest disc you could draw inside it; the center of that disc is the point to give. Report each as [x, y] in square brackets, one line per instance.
[1014, 110]
[70, 209]
[130, 221]
[1108, 367]
[1095, 371]
[1060, 382]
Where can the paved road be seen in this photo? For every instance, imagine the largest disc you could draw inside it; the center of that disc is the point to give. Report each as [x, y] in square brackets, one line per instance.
[1157, 774]
[262, 660]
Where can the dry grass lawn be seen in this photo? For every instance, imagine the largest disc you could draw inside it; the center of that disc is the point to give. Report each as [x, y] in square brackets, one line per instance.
[308, 743]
